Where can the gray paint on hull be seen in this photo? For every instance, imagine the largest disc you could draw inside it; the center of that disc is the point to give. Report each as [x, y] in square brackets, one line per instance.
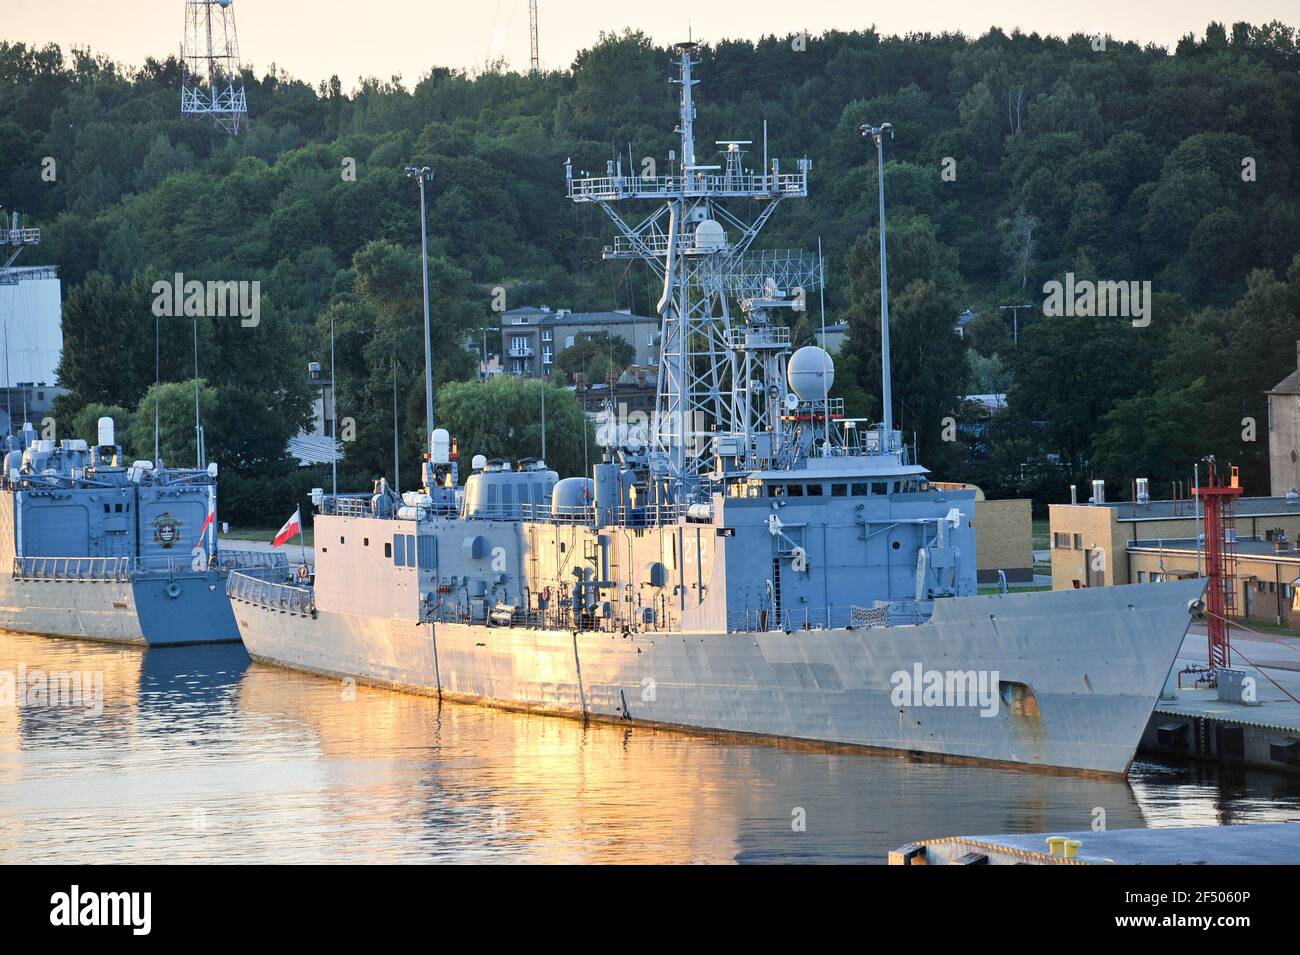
[140, 612]
[1095, 660]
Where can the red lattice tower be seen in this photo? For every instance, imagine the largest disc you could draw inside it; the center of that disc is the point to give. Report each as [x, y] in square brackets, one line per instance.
[1219, 503]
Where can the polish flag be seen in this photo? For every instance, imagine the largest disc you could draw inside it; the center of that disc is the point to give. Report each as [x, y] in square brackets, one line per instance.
[204, 529]
[292, 527]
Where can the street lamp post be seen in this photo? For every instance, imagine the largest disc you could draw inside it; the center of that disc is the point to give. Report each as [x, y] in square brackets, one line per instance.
[878, 133]
[423, 175]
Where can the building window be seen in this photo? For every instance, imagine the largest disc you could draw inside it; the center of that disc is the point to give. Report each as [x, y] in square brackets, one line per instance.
[547, 356]
[548, 335]
[1078, 542]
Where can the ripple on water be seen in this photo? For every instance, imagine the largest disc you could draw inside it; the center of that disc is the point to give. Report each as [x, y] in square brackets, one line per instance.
[199, 755]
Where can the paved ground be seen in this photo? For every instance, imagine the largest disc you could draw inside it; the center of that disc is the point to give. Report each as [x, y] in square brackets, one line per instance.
[292, 551]
[1270, 658]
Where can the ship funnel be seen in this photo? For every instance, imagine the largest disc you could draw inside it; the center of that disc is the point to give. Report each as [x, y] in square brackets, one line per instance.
[106, 433]
[1143, 490]
[1098, 492]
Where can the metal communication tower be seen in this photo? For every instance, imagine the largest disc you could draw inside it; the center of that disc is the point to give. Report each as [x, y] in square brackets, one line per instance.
[211, 84]
[1220, 504]
[697, 243]
[535, 67]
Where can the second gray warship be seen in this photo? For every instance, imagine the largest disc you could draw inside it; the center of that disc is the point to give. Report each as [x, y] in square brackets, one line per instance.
[749, 562]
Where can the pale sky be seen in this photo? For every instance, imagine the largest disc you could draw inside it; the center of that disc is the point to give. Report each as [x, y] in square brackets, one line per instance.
[353, 38]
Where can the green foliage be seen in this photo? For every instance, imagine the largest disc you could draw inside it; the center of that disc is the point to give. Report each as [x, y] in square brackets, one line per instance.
[1127, 165]
[177, 440]
[596, 357]
[502, 419]
[85, 425]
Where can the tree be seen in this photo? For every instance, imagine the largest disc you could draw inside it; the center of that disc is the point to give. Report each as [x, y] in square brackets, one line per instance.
[85, 425]
[502, 419]
[928, 367]
[596, 357]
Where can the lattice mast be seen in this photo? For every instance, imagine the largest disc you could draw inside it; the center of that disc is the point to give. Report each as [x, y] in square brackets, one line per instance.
[1219, 503]
[698, 247]
[534, 61]
[212, 86]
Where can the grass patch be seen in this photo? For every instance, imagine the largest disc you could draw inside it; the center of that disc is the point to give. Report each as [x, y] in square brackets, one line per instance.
[1041, 534]
[1014, 588]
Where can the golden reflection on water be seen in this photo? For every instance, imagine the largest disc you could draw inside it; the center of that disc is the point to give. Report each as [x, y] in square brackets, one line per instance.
[201, 756]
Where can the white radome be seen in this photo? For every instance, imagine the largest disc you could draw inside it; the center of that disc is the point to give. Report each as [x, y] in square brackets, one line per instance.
[811, 373]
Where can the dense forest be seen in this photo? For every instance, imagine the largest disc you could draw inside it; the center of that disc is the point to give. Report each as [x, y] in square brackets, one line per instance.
[1017, 159]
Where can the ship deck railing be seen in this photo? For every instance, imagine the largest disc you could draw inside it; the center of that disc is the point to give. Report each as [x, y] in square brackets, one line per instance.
[121, 569]
[553, 618]
[111, 569]
[271, 595]
[693, 182]
[246, 559]
[847, 616]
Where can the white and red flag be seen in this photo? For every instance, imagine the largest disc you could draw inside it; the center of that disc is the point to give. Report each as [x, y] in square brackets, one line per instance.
[292, 527]
[204, 529]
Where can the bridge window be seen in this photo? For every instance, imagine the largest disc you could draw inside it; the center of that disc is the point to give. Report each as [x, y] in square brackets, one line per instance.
[795, 490]
[860, 489]
[815, 490]
[399, 550]
[879, 487]
[839, 490]
[388, 549]
[775, 490]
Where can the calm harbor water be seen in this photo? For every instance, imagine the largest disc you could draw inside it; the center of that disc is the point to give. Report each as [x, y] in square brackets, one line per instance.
[200, 756]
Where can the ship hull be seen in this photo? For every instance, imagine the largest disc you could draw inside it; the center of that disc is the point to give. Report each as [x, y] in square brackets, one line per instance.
[147, 610]
[1094, 661]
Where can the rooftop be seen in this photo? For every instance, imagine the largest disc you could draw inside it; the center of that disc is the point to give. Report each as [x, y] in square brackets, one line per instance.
[1166, 510]
[1244, 547]
[563, 316]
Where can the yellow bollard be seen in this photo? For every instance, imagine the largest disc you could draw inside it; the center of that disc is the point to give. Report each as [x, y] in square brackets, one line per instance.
[1072, 848]
[1055, 845]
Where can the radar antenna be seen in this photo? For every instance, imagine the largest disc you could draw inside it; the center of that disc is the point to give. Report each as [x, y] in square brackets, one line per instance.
[697, 246]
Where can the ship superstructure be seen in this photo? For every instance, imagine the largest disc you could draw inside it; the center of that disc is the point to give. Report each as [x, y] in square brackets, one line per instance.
[97, 548]
[749, 561]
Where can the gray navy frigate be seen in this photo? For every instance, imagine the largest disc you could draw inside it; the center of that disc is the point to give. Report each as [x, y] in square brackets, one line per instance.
[748, 561]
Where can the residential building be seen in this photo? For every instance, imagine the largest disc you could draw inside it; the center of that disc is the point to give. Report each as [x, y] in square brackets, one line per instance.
[532, 338]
